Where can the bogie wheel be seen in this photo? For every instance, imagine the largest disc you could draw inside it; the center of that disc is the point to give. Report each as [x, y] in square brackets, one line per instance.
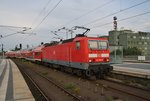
[88, 73]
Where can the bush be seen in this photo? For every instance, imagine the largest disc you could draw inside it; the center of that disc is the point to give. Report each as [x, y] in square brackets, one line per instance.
[132, 51]
[69, 86]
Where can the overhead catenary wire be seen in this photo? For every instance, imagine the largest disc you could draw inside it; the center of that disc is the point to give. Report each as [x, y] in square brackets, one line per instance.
[122, 19]
[47, 15]
[9, 35]
[10, 29]
[140, 25]
[116, 12]
[19, 32]
[14, 27]
[43, 9]
[87, 13]
[147, 26]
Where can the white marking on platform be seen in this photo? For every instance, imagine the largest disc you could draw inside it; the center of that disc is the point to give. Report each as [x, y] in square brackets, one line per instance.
[131, 70]
[3, 88]
[132, 63]
[2, 65]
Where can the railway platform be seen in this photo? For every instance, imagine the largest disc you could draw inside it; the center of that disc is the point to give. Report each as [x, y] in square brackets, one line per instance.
[12, 84]
[135, 72]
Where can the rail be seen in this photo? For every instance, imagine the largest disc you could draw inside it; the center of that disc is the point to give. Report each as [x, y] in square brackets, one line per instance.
[55, 84]
[37, 87]
[109, 84]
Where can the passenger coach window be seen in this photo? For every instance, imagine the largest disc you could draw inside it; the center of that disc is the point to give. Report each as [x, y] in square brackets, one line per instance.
[78, 45]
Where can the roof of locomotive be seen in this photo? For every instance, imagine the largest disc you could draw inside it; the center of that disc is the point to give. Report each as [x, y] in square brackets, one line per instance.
[68, 40]
[53, 43]
[38, 48]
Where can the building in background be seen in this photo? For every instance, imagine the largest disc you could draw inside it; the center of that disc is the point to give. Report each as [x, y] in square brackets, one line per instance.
[130, 39]
[116, 52]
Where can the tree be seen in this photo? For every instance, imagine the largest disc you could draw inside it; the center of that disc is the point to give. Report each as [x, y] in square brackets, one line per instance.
[118, 52]
[132, 51]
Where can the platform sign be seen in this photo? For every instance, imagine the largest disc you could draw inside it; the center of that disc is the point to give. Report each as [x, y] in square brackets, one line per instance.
[141, 58]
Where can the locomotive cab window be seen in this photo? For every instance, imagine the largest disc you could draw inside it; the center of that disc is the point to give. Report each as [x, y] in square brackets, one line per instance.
[103, 44]
[96, 44]
[93, 44]
[78, 45]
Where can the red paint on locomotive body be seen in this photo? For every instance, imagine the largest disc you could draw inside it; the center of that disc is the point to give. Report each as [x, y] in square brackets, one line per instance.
[77, 53]
[37, 53]
[99, 52]
[87, 54]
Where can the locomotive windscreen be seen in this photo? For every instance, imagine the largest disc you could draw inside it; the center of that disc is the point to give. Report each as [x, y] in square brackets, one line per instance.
[96, 44]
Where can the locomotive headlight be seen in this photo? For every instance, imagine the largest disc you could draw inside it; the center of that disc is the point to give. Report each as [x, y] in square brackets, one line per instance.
[107, 59]
[90, 60]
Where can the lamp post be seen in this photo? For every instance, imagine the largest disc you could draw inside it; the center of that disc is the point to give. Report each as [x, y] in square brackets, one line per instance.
[1, 47]
[2, 51]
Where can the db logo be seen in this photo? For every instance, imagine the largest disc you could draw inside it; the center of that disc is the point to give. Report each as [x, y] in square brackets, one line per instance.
[98, 55]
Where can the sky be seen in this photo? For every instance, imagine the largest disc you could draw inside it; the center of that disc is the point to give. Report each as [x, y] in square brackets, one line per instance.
[45, 16]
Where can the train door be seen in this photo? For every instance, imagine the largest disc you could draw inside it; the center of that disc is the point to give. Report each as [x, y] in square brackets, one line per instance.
[68, 56]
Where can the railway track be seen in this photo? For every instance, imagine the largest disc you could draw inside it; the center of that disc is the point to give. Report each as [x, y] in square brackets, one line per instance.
[129, 85]
[73, 96]
[42, 94]
[124, 88]
[62, 88]
[108, 85]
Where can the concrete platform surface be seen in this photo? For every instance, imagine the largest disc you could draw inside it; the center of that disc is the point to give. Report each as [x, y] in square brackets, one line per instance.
[142, 73]
[12, 84]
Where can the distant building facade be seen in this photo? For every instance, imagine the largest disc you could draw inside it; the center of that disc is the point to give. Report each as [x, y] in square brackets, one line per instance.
[105, 36]
[129, 39]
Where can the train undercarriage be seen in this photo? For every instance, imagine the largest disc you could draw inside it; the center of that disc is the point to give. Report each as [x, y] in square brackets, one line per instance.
[99, 71]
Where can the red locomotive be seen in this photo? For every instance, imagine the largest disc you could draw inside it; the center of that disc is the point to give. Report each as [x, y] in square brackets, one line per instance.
[81, 55]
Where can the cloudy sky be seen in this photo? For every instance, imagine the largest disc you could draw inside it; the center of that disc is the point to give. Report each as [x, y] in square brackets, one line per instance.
[44, 16]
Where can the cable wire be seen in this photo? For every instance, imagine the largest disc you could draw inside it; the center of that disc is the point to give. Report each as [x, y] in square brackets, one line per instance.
[41, 12]
[12, 26]
[87, 13]
[8, 35]
[122, 19]
[48, 14]
[116, 12]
